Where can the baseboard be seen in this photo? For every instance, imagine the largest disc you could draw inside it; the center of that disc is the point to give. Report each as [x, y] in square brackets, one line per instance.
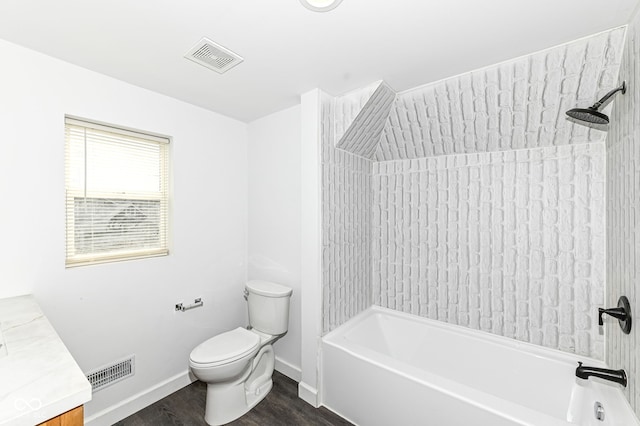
[289, 370]
[308, 394]
[137, 402]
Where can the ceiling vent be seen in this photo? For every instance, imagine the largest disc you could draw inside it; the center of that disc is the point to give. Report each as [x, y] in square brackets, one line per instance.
[213, 56]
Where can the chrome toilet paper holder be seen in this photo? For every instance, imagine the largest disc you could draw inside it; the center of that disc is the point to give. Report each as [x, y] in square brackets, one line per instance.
[196, 304]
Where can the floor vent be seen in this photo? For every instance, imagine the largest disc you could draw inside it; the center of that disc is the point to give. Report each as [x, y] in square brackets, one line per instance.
[112, 373]
[213, 56]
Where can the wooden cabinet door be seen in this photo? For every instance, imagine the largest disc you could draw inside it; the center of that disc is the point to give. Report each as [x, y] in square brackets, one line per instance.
[73, 417]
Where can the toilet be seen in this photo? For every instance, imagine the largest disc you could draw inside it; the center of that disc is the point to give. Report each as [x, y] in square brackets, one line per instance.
[237, 365]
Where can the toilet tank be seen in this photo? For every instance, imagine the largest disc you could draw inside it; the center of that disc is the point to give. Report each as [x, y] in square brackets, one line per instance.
[268, 306]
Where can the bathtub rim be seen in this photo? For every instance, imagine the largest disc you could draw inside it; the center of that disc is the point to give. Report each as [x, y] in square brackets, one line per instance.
[512, 343]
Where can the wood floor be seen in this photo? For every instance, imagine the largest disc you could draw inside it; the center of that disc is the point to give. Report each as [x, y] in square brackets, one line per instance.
[281, 407]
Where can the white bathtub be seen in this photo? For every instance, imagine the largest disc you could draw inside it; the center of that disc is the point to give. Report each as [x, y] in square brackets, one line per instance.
[386, 368]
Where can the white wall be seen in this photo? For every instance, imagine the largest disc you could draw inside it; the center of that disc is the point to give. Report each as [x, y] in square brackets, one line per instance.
[274, 217]
[109, 311]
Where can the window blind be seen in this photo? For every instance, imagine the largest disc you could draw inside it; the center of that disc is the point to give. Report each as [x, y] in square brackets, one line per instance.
[117, 197]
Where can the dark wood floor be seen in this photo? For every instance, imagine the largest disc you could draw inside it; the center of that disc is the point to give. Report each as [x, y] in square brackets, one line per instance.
[281, 407]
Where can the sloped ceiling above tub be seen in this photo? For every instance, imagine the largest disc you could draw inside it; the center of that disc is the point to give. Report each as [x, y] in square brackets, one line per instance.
[363, 132]
[513, 105]
[348, 106]
[516, 104]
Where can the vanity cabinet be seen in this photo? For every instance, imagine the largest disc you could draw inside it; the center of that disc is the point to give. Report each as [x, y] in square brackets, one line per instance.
[73, 417]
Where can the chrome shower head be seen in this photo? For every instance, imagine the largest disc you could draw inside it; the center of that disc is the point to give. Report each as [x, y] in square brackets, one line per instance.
[591, 115]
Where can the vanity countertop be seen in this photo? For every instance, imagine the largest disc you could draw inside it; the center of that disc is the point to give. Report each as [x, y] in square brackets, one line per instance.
[39, 379]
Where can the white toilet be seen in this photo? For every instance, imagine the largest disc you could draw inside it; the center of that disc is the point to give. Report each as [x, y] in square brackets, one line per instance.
[237, 365]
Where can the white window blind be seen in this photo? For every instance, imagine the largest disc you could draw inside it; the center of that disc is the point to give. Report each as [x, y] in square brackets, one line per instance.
[117, 198]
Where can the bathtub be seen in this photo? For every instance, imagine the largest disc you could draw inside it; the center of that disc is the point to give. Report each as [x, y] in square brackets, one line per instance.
[385, 367]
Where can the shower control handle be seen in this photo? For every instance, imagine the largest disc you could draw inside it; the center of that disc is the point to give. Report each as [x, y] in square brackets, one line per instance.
[618, 313]
[622, 313]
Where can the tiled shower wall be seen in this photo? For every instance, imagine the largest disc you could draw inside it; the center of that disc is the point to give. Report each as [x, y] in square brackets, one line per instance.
[509, 242]
[516, 104]
[485, 207]
[346, 227]
[623, 215]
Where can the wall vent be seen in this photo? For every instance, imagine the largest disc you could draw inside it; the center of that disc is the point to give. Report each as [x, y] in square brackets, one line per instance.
[112, 373]
[213, 56]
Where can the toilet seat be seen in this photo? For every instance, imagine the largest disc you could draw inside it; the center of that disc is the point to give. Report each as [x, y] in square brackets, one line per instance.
[225, 348]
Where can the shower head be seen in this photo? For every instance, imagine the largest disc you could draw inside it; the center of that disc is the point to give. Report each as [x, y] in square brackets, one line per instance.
[591, 115]
[588, 115]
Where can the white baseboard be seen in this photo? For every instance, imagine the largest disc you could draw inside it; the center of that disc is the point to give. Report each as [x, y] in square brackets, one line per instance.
[137, 402]
[308, 394]
[289, 370]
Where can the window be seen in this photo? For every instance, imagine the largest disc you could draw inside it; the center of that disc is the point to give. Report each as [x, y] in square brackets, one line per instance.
[117, 200]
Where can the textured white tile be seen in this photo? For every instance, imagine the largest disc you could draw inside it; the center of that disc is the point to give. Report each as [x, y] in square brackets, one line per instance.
[485, 261]
[623, 220]
[514, 105]
[363, 133]
[347, 107]
[508, 236]
[346, 219]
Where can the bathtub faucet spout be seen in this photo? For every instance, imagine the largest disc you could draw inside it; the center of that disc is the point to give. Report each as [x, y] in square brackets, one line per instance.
[617, 376]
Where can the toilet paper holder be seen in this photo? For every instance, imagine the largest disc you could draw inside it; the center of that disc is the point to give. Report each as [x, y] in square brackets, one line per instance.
[196, 304]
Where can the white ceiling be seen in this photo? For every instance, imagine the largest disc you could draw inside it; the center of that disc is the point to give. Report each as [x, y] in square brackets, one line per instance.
[288, 49]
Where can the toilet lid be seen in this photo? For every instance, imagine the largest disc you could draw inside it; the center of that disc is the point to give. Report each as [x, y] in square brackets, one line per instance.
[226, 347]
[268, 289]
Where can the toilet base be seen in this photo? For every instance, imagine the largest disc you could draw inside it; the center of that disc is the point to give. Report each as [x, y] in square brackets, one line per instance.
[225, 404]
[228, 401]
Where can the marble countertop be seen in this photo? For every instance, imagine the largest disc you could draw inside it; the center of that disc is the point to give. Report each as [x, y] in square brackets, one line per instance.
[39, 379]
